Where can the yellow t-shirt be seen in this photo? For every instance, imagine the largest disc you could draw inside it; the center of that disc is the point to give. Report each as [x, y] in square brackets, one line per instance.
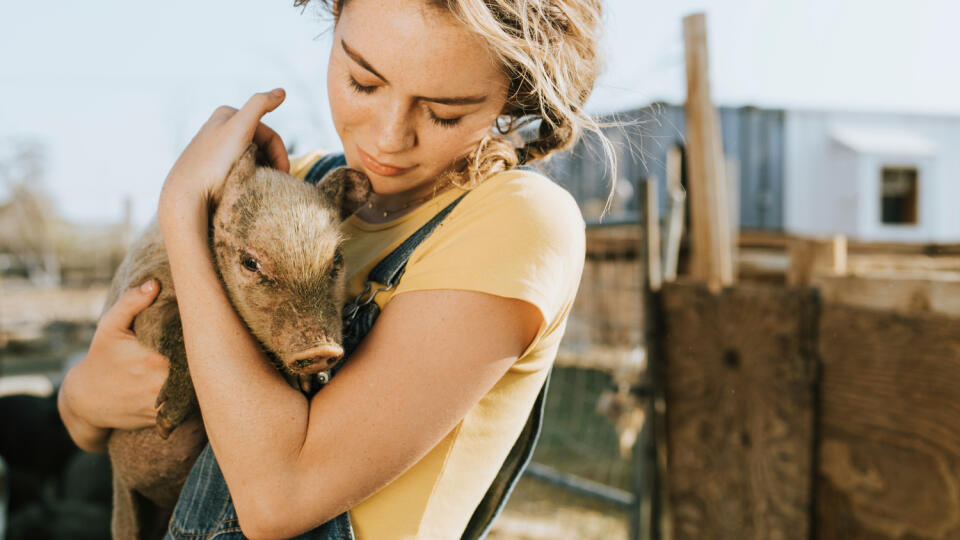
[516, 235]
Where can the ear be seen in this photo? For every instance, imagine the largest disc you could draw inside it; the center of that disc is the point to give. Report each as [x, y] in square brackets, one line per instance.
[347, 189]
[241, 170]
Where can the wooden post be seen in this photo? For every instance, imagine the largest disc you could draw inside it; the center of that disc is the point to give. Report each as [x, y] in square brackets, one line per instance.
[838, 255]
[646, 476]
[675, 214]
[732, 171]
[810, 255]
[803, 253]
[711, 246]
[652, 231]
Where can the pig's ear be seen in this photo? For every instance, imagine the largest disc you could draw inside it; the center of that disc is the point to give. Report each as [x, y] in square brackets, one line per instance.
[347, 189]
[241, 170]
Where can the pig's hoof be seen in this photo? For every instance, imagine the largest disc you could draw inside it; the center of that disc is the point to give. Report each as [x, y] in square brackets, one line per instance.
[164, 428]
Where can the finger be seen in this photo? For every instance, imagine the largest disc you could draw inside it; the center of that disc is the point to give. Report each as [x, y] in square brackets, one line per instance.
[248, 117]
[222, 114]
[120, 316]
[272, 145]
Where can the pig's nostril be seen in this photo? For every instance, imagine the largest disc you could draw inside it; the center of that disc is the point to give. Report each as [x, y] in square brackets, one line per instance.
[305, 363]
[316, 359]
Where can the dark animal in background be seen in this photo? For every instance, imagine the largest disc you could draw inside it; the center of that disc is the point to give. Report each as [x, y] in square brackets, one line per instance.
[276, 245]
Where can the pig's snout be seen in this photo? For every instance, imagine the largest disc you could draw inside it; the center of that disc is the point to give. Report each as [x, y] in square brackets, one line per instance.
[316, 359]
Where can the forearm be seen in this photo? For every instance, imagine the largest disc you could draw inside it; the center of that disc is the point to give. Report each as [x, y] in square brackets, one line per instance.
[255, 421]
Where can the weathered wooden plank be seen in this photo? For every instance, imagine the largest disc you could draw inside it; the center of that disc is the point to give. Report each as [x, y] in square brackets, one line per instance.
[613, 242]
[903, 295]
[762, 238]
[711, 247]
[889, 459]
[740, 372]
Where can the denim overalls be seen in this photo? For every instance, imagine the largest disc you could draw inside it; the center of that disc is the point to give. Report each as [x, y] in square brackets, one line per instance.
[205, 509]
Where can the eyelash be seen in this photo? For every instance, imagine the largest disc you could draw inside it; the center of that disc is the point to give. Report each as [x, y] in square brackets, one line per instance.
[443, 122]
[357, 87]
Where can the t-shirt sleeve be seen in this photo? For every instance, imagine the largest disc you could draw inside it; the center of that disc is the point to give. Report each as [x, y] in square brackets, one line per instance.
[519, 236]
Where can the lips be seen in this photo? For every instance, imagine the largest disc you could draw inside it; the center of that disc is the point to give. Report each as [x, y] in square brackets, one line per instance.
[378, 168]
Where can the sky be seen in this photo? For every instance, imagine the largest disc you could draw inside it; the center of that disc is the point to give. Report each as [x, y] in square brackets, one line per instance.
[113, 91]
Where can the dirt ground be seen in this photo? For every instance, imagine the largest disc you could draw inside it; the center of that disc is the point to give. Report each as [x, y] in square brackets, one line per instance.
[539, 511]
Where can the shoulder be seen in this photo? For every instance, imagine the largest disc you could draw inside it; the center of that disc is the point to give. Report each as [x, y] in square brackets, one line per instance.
[517, 235]
[523, 198]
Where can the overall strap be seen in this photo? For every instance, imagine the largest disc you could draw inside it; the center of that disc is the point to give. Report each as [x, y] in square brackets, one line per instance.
[324, 165]
[390, 268]
[360, 313]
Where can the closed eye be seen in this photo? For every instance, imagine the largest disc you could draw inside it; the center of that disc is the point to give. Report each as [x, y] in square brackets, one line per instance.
[445, 122]
[359, 88]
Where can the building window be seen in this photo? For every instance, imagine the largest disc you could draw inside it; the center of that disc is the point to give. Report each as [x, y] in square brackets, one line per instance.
[898, 191]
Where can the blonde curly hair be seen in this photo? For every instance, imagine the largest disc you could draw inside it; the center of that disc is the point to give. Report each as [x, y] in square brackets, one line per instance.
[549, 51]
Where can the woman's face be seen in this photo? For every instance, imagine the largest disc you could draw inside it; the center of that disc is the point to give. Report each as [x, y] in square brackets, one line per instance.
[410, 91]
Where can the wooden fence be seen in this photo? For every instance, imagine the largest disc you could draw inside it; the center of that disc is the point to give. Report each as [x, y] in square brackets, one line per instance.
[791, 417]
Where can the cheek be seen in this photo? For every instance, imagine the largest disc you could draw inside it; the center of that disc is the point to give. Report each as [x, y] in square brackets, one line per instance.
[346, 109]
[338, 101]
[453, 143]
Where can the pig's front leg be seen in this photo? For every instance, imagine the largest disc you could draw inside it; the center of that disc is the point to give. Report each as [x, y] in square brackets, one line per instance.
[177, 396]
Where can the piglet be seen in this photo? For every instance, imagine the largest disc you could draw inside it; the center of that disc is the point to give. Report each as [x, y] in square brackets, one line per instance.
[276, 245]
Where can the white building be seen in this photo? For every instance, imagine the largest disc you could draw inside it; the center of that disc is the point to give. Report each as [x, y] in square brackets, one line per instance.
[872, 176]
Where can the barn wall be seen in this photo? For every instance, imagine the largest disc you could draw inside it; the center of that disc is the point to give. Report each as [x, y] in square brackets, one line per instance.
[752, 137]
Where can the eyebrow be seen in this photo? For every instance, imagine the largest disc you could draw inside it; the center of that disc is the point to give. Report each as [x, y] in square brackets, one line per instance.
[465, 100]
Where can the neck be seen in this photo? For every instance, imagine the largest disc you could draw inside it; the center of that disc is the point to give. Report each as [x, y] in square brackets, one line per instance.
[383, 207]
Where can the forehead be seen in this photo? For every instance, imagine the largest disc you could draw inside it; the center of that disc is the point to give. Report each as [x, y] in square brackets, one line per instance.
[418, 46]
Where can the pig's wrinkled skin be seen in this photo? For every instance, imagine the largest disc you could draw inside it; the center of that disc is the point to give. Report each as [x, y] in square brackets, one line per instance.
[275, 241]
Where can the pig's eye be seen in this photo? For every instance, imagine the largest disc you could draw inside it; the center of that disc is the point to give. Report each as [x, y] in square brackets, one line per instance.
[250, 263]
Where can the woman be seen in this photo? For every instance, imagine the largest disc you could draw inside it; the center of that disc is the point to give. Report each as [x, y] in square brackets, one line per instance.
[411, 432]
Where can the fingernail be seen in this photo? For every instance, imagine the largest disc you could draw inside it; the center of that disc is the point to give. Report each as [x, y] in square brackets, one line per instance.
[278, 92]
[148, 285]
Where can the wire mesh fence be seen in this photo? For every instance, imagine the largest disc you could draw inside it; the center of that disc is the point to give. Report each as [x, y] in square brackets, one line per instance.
[583, 477]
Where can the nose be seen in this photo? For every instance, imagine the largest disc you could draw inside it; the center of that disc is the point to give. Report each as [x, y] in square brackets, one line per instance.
[396, 132]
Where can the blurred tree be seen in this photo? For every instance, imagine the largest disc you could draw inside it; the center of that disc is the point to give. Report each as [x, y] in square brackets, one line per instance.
[27, 216]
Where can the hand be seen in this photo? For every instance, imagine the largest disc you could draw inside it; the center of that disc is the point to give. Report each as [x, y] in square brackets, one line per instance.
[205, 162]
[116, 385]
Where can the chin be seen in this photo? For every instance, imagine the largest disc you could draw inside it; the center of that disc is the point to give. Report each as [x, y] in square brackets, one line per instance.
[381, 186]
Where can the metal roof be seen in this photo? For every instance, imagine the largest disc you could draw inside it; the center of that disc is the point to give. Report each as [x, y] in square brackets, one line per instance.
[874, 140]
